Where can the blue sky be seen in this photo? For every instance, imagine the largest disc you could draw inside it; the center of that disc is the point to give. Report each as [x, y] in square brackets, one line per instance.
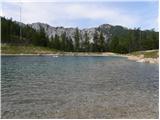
[131, 14]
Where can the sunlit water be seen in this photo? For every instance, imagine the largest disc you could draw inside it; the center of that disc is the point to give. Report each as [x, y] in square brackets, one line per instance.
[78, 87]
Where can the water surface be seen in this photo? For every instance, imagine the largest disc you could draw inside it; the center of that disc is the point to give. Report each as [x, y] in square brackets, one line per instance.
[78, 87]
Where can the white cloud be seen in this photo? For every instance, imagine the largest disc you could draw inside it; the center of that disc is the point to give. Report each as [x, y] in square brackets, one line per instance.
[55, 13]
[11, 10]
[72, 14]
[96, 12]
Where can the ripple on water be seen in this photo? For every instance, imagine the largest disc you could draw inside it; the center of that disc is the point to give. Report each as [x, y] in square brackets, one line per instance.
[78, 87]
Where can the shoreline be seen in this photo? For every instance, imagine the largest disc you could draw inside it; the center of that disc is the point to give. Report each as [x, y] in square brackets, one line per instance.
[139, 58]
[65, 54]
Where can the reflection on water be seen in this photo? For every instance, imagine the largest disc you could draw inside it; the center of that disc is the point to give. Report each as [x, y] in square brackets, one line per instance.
[78, 87]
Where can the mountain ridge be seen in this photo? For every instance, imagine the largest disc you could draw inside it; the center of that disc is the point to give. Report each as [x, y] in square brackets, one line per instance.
[102, 38]
[51, 31]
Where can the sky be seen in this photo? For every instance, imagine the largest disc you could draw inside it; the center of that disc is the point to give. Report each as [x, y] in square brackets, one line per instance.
[84, 13]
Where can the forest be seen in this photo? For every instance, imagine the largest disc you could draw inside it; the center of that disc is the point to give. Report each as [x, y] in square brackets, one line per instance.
[121, 41]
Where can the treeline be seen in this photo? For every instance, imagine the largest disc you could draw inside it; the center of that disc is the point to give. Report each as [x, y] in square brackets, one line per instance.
[121, 40]
[65, 43]
[128, 40]
[14, 33]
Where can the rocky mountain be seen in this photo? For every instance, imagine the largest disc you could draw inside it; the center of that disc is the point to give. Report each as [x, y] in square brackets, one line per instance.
[70, 32]
[102, 38]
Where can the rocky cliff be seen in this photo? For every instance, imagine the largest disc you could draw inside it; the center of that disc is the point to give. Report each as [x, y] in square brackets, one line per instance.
[70, 32]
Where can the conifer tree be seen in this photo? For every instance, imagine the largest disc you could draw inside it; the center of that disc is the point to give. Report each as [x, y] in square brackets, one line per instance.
[95, 40]
[101, 42]
[77, 40]
[86, 42]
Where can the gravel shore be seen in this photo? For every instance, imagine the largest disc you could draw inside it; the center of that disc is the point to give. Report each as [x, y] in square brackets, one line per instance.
[142, 59]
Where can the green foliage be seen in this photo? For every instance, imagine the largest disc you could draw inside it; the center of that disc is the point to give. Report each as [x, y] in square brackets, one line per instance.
[95, 40]
[9, 30]
[101, 43]
[14, 33]
[77, 40]
[147, 54]
[23, 49]
[133, 40]
[86, 44]
[69, 45]
[40, 38]
[63, 41]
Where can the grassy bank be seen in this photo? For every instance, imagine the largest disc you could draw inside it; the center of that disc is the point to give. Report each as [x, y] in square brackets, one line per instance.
[146, 54]
[7, 49]
[29, 49]
[12, 49]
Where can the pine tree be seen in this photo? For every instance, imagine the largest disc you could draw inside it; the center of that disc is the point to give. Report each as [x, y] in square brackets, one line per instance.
[63, 43]
[71, 46]
[95, 40]
[114, 44]
[43, 40]
[57, 42]
[52, 42]
[101, 42]
[86, 42]
[77, 40]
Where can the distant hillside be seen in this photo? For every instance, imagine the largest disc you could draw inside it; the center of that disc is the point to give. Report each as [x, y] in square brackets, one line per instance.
[97, 39]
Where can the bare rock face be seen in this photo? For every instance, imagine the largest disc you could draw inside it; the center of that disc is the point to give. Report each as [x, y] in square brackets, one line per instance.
[70, 32]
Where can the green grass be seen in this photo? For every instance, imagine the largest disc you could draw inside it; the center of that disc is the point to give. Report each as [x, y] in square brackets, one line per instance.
[29, 49]
[147, 54]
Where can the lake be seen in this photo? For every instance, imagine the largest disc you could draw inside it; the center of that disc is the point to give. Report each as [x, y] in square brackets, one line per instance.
[78, 87]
